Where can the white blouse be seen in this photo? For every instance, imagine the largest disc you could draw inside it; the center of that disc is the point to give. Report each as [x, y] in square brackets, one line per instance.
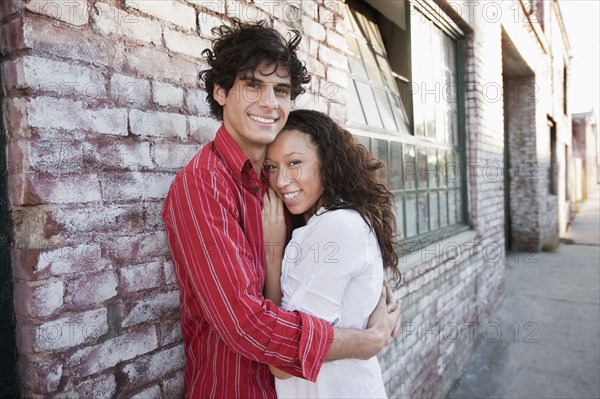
[333, 269]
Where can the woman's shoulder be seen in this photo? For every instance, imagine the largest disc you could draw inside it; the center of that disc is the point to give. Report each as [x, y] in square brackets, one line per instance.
[340, 220]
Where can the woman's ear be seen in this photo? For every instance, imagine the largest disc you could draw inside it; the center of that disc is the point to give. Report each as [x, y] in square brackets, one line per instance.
[219, 94]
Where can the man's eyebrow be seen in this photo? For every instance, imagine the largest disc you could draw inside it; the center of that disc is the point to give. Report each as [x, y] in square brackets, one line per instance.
[258, 80]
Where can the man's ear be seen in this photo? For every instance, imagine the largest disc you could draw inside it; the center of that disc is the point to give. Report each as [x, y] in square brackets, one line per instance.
[219, 94]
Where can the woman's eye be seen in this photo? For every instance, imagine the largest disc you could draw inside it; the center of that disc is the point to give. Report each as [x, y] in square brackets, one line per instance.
[295, 162]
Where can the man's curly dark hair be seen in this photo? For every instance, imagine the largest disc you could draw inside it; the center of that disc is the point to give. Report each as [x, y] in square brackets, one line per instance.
[241, 48]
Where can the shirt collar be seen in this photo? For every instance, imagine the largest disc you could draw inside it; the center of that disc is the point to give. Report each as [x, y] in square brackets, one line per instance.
[233, 155]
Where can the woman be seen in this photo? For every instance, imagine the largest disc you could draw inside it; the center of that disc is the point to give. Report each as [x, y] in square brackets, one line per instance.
[333, 265]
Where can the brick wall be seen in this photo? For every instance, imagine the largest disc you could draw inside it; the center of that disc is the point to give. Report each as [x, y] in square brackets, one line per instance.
[103, 106]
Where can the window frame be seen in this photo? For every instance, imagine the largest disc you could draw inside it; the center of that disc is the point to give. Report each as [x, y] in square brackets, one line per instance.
[367, 134]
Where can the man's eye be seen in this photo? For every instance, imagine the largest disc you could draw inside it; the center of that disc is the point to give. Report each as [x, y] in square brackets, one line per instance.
[271, 168]
[284, 92]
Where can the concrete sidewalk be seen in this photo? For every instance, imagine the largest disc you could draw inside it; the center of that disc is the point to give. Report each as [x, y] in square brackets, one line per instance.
[549, 321]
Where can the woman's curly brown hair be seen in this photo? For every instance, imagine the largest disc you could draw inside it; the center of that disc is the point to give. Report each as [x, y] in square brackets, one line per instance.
[240, 48]
[348, 175]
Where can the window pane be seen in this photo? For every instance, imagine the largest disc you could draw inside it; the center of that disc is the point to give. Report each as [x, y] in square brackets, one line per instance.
[354, 58]
[355, 112]
[423, 213]
[411, 215]
[380, 151]
[459, 205]
[399, 201]
[432, 168]
[410, 168]
[434, 220]
[385, 110]
[422, 167]
[442, 168]
[367, 101]
[453, 170]
[395, 169]
[365, 141]
[443, 208]
[451, 206]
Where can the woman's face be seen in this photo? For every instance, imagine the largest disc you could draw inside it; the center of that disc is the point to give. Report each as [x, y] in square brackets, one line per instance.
[294, 172]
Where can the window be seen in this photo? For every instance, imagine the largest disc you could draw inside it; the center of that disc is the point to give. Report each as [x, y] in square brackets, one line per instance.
[404, 105]
[553, 164]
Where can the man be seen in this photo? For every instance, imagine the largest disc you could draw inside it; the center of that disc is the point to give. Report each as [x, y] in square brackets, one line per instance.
[212, 215]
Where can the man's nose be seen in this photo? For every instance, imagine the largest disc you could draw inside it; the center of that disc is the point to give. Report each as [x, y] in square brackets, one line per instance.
[268, 98]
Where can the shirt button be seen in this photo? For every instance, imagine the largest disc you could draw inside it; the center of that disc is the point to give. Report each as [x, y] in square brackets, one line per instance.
[256, 190]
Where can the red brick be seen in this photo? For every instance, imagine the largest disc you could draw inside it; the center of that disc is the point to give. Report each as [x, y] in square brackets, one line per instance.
[11, 36]
[141, 247]
[135, 186]
[64, 189]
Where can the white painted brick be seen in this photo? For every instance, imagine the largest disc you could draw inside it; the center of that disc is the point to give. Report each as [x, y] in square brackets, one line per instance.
[203, 129]
[170, 331]
[157, 124]
[128, 90]
[63, 189]
[55, 157]
[331, 57]
[173, 387]
[174, 156]
[99, 357]
[59, 78]
[152, 392]
[92, 289]
[136, 185]
[68, 260]
[335, 40]
[70, 331]
[103, 387]
[138, 247]
[112, 20]
[247, 12]
[169, 271]
[207, 21]
[141, 277]
[185, 43]
[196, 102]
[315, 67]
[167, 10]
[155, 63]
[154, 367]
[39, 300]
[48, 112]
[216, 6]
[313, 30]
[74, 12]
[337, 76]
[94, 218]
[152, 308]
[167, 95]
[128, 154]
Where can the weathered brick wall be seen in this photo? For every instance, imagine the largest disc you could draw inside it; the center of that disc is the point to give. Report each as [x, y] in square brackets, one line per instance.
[103, 106]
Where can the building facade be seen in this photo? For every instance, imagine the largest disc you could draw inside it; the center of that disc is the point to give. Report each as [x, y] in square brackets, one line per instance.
[101, 105]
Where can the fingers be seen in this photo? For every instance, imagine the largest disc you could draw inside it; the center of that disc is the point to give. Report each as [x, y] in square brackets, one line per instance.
[398, 320]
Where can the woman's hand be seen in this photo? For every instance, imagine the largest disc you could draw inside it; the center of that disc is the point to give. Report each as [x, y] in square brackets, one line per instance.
[274, 231]
[273, 221]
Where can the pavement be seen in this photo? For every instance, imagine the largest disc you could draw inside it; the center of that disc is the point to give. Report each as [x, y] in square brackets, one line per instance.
[549, 320]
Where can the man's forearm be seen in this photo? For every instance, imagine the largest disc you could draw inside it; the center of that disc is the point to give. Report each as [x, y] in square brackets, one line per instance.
[349, 343]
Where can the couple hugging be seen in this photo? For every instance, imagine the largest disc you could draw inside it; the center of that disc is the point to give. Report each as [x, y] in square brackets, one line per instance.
[259, 321]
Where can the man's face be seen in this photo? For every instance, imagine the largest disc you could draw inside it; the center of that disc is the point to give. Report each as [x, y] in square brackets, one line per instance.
[256, 108]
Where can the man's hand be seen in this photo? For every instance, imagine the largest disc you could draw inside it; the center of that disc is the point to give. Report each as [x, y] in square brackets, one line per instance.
[385, 319]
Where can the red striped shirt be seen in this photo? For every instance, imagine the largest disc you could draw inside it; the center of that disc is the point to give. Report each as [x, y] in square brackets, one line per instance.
[231, 332]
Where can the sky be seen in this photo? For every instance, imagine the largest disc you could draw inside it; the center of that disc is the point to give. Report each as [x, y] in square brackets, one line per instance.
[582, 20]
